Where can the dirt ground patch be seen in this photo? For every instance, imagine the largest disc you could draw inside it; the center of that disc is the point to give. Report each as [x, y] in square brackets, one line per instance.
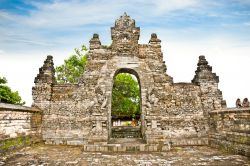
[43, 155]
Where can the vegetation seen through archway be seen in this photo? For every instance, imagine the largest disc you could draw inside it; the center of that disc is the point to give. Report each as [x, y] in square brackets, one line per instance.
[125, 96]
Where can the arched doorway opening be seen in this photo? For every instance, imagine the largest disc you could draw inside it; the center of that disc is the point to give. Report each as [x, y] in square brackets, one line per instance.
[126, 105]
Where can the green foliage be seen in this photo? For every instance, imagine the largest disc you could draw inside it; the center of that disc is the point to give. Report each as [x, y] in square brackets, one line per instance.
[106, 46]
[3, 80]
[125, 96]
[14, 143]
[73, 67]
[7, 96]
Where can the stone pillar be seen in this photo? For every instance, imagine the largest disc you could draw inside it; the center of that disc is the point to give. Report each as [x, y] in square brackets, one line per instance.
[211, 96]
[42, 91]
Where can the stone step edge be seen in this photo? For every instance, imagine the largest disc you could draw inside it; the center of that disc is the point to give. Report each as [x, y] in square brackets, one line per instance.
[126, 148]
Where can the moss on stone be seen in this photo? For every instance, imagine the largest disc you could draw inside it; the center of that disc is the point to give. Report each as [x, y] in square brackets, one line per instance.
[14, 143]
[244, 140]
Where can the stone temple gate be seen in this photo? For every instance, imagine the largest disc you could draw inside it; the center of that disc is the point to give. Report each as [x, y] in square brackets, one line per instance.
[80, 114]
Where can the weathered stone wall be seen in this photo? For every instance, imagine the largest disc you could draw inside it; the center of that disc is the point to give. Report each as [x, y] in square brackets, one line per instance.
[230, 130]
[19, 126]
[66, 122]
[183, 122]
[170, 112]
[18, 120]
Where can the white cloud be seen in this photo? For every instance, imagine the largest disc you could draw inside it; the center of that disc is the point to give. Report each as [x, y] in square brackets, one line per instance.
[71, 13]
[243, 1]
[172, 5]
[247, 24]
[4, 15]
[33, 42]
[62, 14]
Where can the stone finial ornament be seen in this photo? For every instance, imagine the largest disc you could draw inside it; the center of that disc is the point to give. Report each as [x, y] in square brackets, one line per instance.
[204, 72]
[125, 22]
[46, 72]
[125, 35]
[154, 39]
[94, 43]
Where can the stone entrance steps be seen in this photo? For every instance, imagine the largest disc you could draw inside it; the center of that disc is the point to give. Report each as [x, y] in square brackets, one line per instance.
[126, 132]
[126, 141]
[126, 145]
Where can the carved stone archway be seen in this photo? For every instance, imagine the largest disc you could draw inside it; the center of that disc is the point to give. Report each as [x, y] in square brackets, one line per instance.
[132, 130]
[79, 114]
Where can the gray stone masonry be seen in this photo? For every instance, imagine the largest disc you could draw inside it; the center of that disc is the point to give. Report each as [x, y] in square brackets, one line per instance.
[80, 114]
[230, 130]
[16, 120]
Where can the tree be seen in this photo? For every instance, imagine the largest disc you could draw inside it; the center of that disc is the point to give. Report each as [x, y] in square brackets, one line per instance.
[7, 96]
[125, 96]
[73, 67]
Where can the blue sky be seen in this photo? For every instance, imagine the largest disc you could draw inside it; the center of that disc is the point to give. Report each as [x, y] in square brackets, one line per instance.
[219, 29]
